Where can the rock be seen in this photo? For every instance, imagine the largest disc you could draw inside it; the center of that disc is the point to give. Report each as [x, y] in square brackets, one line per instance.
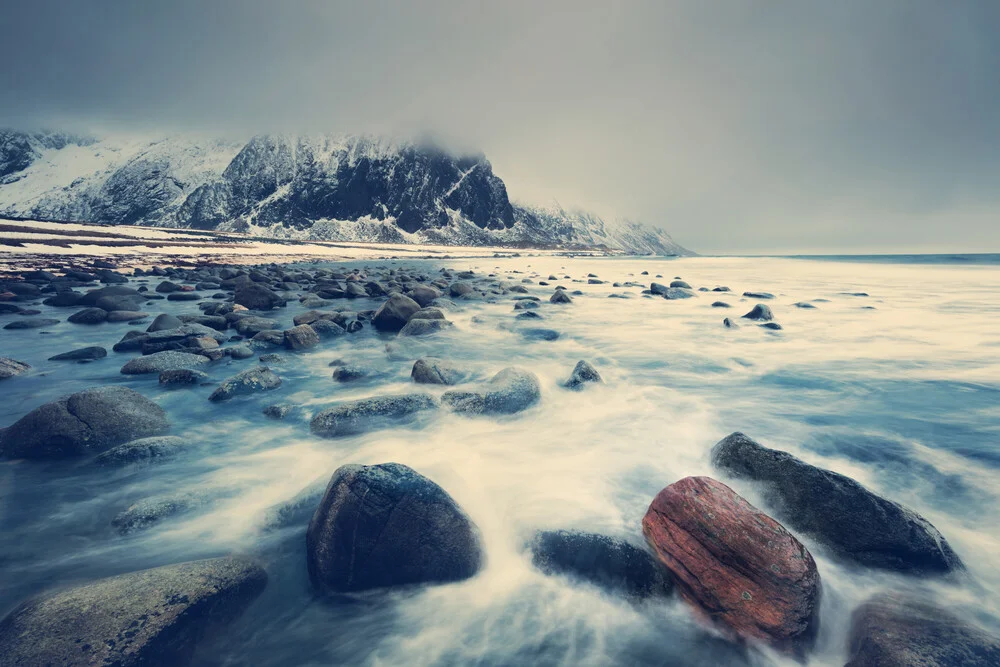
[250, 381]
[83, 354]
[183, 296]
[143, 450]
[250, 326]
[611, 564]
[126, 315]
[350, 373]
[241, 352]
[526, 305]
[120, 302]
[279, 410]
[560, 296]
[271, 359]
[256, 297]
[394, 313]
[355, 291]
[301, 337]
[508, 392]
[150, 617]
[435, 371]
[31, 323]
[269, 338]
[150, 511]
[855, 524]
[11, 367]
[758, 295]
[166, 287]
[900, 630]
[162, 361]
[309, 317]
[674, 293]
[680, 283]
[804, 304]
[424, 295]
[387, 525]
[582, 373]
[721, 304]
[760, 313]
[179, 377]
[368, 414]
[64, 300]
[730, 324]
[733, 563]
[424, 327]
[86, 422]
[88, 316]
[164, 322]
[459, 289]
[428, 313]
[328, 329]
[528, 315]
[537, 333]
[773, 326]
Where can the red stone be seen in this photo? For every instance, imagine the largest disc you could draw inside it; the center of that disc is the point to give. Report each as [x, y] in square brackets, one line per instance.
[736, 565]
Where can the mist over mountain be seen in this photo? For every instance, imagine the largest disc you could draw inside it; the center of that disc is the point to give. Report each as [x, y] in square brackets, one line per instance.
[330, 187]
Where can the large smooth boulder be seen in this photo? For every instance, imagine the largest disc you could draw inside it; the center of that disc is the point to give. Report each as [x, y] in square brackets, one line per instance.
[388, 525]
[583, 373]
[256, 297]
[560, 296]
[614, 565]
[393, 315]
[435, 371]
[250, 326]
[424, 295]
[761, 313]
[31, 323]
[301, 337]
[855, 524]
[368, 414]
[82, 354]
[250, 381]
[733, 563]
[88, 316]
[162, 361]
[509, 391]
[164, 322]
[152, 618]
[11, 367]
[86, 422]
[900, 630]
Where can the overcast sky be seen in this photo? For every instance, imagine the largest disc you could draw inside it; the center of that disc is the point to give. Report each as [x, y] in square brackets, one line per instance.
[739, 126]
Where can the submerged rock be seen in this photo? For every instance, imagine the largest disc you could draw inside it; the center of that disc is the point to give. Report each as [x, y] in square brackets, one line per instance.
[388, 525]
[88, 316]
[509, 391]
[435, 371]
[301, 337]
[31, 323]
[368, 414]
[856, 524]
[11, 367]
[256, 297]
[393, 315]
[150, 617]
[537, 333]
[899, 630]
[560, 296]
[583, 373]
[250, 381]
[733, 563]
[86, 422]
[611, 564]
[162, 361]
[164, 322]
[423, 327]
[149, 511]
[758, 295]
[142, 450]
[177, 377]
[82, 354]
[761, 313]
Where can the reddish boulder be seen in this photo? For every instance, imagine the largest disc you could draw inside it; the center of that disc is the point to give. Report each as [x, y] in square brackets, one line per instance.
[733, 563]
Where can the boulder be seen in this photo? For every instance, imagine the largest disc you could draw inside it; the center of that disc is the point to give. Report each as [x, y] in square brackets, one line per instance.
[162, 361]
[240, 352]
[758, 295]
[182, 377]
[459, 289]
[328, 329]
[680, 283]
[761, 313]
[86, 422]
[539, 333]
[614, 565]
[424, 327]
[256, 297]
[249, 326]
[163, 322]
[583, 373]
[855, 524]
[143, 450]
[393, 315]
[88, 316]
[148, 512]
[721, 304]
[509, 391]
[733, 563]
[126, 315]
[369, 414]
[900, 630]
[301, 337]
[435, 371]
[560, 296]
[730, 323]
[11, 367]
[150, 617]
[674, 293]
[388, 525]
[424, 295]
[31, 323]
[82, 354]
[250, 381]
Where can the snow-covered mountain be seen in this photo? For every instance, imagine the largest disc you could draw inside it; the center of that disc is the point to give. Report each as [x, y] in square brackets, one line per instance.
[349, 188]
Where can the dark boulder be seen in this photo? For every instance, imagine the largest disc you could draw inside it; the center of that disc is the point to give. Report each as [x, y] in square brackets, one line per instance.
[162, 361]
[82, 354]
[256, 297]
[250, 326]
[328, 329]
[88, 316]
[854, 523]
[539, 333]
[423, 295]
[86, 422]
[143, 450]
[394, 313]
[368, 414]
[460, 289]
[560, 296]
[11, 367]
[583, 373]
[761, 313]
[424, 327]
[301, 337]
[758, 295]
[614, 565]
[721, 304]
[182, 377]
[435, 371]
[164, 322]
[151, 617]
[250, 381]
[509, 391]
[387, 525]
[31, 323]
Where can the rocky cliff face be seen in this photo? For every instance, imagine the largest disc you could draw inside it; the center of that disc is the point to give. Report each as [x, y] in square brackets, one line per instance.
[324, 187]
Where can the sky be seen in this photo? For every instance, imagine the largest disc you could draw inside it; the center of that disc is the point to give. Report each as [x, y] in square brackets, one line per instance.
[739, 126]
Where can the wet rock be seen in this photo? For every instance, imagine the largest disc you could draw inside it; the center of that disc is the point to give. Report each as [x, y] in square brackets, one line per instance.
[250, 381]
[82, 354]
[256, 297]
[151, 511]
[368, 414]
[428, 313]
[183, 296]
[721, 304]
[143, 450]
[508, 392]
[350, 373]
[162, 361]
[166, 287]
[424, 295]
[583, 373]
[854, 523]
[67, 299]
[355, 291]
[301, 337]
[151, 617]
[31, 323]
[328, 329]
[279, 410]
[249, 326]
[387, 525]
[88, 316]
[435, 371]
[611, 564]
[86, 422]
[394, 313]
[271, 359]
[528, 315]
[674, 293]
[268, 338]
[758, 295]
[241, 352]
[804, 304]
[126, 315]
[730, 324]
[182, 377]
[11, 367]
[733, 563]
[164, 322]
[560, 296]
[537, 333]
[761, 313]
[424, 327]
[460, 289]
[773, 326]
[680, 283]
[900, 630]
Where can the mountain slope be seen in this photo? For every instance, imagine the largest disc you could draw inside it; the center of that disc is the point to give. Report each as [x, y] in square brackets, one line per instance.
[324, 187]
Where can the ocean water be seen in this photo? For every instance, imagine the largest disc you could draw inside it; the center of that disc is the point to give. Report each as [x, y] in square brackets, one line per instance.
[899, 389]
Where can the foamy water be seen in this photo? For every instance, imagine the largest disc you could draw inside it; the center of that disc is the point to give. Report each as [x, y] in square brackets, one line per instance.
[898, 390]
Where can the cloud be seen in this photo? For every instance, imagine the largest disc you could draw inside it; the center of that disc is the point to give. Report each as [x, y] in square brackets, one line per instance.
[748, 126]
